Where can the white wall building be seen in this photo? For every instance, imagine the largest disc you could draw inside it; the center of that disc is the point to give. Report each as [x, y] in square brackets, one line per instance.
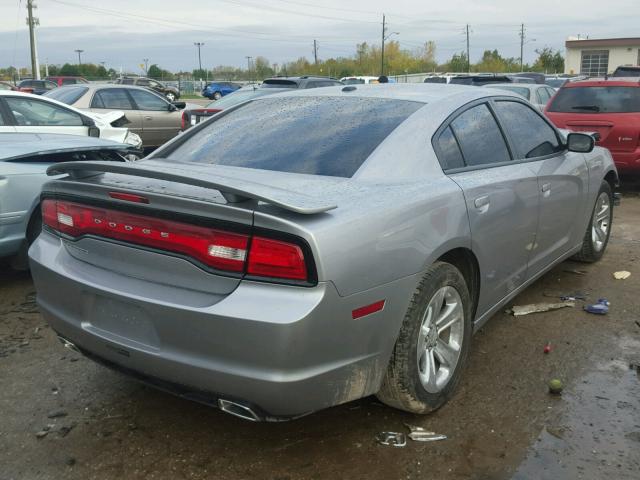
[597, 57]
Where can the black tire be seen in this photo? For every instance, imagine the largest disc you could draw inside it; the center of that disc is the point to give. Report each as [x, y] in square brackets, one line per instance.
[21, 261]
[589, 252]
[217, 96]
[401, 387]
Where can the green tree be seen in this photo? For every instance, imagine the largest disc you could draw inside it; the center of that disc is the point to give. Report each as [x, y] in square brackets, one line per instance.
[549, 61]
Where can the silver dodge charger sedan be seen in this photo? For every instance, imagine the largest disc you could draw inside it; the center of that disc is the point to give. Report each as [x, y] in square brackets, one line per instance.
[302, 250]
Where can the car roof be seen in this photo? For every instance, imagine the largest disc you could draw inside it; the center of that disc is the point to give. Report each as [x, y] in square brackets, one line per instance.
[16, 145]
[419, 92]
[519, 85]
[98, 86]
[602, 82]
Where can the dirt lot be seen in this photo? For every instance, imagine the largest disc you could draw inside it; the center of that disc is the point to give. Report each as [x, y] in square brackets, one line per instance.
[501, 424]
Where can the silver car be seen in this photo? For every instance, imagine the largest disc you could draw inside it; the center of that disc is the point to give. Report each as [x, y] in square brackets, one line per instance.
[538, 94]
[24, 159]
[310, 248]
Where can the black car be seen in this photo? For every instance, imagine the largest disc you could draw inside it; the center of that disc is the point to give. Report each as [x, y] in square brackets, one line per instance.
[627, 71]
[301, 82]
[37, 87]
[170, 93]
[485, 79]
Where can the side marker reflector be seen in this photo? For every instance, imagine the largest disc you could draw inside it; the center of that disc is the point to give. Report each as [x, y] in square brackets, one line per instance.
[367, 310]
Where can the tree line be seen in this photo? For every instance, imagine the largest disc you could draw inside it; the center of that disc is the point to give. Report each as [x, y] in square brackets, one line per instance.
[367, 60]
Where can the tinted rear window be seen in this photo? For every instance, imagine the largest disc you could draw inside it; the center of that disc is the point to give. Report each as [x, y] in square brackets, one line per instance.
[68, 95]
[597, 100]
[627, 72]
[320, 136]
[522, 91]
[280, 83]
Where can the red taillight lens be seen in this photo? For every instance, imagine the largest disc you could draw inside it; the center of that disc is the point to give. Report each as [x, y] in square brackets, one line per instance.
[274, 258]
[218, 249]
[215, 248]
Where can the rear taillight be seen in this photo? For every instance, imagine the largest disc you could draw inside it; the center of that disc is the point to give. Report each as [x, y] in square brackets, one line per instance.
[222, 250]
[183, 121]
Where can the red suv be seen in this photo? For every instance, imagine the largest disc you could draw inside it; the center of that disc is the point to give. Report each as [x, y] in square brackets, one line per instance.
[611, 108]
[66, 80]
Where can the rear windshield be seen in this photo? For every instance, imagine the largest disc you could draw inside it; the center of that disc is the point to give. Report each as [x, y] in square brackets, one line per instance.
[279, 83]
[68, 95]
[435, 80]
[627, 72]
[523, 92]
[478, 81]
[313, 135]
[597, 100]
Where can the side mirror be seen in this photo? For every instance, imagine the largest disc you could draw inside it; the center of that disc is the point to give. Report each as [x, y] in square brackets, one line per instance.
[94, 132]
[171, 107]
[580, 142]
[179, 105]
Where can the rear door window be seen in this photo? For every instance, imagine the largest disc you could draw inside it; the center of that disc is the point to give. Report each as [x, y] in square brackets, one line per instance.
[480, 137]
[148, 101]
[29, 112]
[605, 99]
[312, 135]
[114, 98]
[531, 135]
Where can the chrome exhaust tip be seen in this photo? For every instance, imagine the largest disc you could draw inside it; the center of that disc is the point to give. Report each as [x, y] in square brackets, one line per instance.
[68, 344]
[238, 410]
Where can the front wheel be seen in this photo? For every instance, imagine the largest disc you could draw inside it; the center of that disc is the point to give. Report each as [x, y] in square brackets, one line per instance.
[170, 96]
[598, 231]
[433, 346]
[217, 96]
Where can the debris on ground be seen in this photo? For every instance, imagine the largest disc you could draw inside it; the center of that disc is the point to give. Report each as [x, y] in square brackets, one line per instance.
[567, 297]
[44, 432]
[420, 434]
[635, 366]
[547, 348]
[601, 307]
[57, 414]
[556, 432]
[621, 275]
[638, 323]
[394, 439]
[555, 386]
[519, 310]
[576, 272]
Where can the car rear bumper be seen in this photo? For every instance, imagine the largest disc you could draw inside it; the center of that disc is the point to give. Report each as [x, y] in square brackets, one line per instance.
[284, 351]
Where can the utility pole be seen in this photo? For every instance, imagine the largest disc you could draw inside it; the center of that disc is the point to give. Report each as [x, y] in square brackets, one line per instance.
[146, 66]
[384, 38]
[78, 51]
[248, 66]
[384, 31]
[32, 22]
[468, 57]
[315, 52]
[521, 47]
[199, 45]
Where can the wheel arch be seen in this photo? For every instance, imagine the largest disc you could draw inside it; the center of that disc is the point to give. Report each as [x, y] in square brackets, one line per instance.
[465, 260]
[612, 179]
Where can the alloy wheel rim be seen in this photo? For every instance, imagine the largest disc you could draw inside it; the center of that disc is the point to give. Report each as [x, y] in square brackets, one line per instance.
[601, 221]
[440, 339]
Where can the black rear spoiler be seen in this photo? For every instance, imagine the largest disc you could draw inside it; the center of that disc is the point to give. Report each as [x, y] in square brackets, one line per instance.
[233, 189]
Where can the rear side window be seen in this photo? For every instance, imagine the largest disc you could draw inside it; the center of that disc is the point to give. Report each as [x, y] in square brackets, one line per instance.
[29, 112]
[68, 95]
[597, 100]
[531, 135]
[450, 155]
[115, 98]
[319, 136]
[480, 137]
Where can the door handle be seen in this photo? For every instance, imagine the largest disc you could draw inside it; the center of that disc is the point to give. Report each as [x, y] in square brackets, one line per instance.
[546, 189]
[482, 203]
[147, 117]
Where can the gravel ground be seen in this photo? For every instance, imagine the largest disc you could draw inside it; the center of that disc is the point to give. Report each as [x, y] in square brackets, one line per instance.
[65, 417]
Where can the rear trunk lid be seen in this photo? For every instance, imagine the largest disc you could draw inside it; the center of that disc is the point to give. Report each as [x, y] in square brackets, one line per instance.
[136, 203]
[618, 132]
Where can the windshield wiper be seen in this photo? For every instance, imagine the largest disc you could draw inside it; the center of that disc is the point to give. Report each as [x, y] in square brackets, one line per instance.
[593, 108]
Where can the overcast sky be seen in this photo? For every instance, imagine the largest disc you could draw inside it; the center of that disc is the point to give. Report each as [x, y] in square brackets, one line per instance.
[123, 32]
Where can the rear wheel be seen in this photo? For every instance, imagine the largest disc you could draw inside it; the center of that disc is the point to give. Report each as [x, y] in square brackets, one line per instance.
[170, 96]
[598, 231]
[433, 345]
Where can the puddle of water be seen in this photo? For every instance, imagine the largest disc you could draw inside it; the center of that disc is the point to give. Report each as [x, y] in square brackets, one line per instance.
[596, 435]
